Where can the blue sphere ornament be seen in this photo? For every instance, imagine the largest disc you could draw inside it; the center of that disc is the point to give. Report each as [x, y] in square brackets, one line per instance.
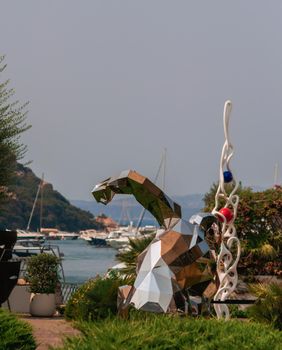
[227, 175]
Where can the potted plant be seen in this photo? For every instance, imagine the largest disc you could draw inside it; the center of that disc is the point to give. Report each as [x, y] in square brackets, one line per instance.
[43, 277]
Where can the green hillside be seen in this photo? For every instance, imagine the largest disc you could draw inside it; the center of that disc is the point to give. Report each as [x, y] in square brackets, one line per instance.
[57, 210]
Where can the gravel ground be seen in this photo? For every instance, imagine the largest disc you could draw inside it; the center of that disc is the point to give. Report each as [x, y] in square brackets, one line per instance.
[50, 331]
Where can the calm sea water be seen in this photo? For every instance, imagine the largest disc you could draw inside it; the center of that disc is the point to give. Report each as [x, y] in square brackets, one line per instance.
[83, 261]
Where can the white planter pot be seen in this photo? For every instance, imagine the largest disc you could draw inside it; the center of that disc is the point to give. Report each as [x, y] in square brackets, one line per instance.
[42, 304]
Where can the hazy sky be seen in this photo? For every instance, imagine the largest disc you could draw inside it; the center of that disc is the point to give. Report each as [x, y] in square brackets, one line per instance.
[111, 83]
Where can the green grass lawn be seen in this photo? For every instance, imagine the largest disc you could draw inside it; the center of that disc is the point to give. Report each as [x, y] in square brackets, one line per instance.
[171, 332]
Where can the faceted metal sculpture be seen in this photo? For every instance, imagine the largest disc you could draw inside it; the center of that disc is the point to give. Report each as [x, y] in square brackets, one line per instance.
[177, 264]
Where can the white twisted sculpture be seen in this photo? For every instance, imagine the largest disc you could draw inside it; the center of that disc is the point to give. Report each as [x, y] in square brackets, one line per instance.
[226, 263]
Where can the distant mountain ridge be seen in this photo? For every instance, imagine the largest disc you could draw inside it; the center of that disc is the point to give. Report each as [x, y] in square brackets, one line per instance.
[125, 208]
[57, 212]
[75, 215]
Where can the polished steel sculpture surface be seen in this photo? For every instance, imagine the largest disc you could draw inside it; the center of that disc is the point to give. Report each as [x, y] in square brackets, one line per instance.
[191, 260]
[177, 265]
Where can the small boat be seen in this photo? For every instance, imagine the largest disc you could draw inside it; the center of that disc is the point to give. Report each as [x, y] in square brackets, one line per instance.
[118, 243]
[24, 235]
[95, 238]
[98, 242]
[87, 234]
[29, 247]
[99, 239]
[62, 236]
[119, 239]
[69, 236]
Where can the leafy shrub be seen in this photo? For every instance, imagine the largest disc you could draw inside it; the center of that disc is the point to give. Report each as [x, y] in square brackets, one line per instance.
[15, 334]
[236, 312]
[268, 307]
[166, 332]
[42, 273]
[259, 229]
[96, 299]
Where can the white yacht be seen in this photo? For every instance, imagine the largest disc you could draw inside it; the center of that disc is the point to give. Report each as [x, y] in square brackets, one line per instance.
[120, 238]
[62, 236]
[28, 247]
[94, 237]
[116, 240]
[21, 234]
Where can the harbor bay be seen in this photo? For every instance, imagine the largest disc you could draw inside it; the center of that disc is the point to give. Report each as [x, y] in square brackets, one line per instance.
[82, 261]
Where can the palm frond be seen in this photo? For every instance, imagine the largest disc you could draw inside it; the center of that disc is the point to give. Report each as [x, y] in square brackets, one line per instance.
[129, 257]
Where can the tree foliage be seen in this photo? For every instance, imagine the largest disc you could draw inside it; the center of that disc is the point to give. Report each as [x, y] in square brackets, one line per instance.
[57, 210]
[259, 227]
[12, 125]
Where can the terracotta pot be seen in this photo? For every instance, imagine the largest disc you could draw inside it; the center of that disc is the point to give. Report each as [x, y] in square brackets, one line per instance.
[42, 304]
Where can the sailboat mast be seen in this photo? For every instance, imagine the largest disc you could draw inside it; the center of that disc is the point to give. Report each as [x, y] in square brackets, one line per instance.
[41, 202]
[275, 174]
[164, 169]
[162, 165]
[33, 207]
[124, 216]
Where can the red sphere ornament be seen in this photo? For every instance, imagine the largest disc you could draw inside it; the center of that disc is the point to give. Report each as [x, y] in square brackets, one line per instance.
[227, 213]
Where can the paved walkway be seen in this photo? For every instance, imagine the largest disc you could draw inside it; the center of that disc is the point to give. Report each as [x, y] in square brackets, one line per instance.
[50, 331]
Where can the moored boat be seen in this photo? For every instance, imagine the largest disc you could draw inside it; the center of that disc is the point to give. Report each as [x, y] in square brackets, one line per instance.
[95, 238]
[62, 236]
[22, 234]
[120, 238]
[29, 247]
[98, 242]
